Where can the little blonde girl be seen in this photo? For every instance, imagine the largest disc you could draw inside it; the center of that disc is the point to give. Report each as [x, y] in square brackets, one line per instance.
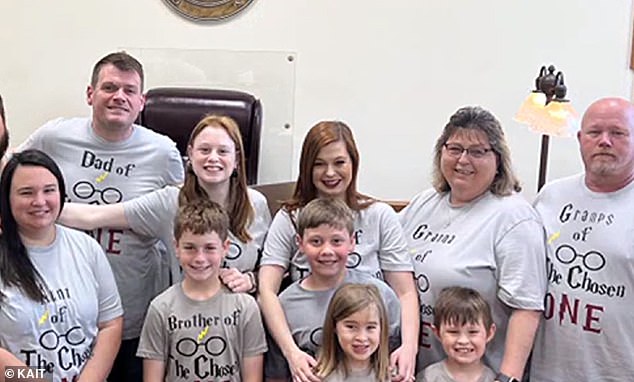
[355, 336]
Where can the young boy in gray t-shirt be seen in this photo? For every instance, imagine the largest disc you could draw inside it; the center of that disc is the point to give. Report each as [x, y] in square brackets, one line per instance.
[464, 325]
[198, 329]
[324, 235]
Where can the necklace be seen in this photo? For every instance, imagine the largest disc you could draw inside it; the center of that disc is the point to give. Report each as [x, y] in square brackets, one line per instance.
[455, 213]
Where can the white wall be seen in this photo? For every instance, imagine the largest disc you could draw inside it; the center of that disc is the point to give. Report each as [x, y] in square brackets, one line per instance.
[394, 71]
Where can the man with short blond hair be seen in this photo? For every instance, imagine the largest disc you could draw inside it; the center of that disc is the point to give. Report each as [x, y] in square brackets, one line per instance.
[588, 331]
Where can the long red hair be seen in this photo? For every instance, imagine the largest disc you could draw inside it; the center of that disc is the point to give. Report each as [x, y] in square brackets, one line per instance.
[320, 135]
[239, 208]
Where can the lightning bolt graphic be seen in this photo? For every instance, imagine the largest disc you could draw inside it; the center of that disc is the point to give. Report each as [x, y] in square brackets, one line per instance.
[203, 333]
[44, 317]
[102, 177]
[554, 237]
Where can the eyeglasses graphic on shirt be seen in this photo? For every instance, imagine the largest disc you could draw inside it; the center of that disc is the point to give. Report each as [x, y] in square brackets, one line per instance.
[108, 195]
[422, 283]
[235, 251]
[354, 259]
[455, 150]
[49, 340]
[592, 260]
[214, 345]
[315, 337]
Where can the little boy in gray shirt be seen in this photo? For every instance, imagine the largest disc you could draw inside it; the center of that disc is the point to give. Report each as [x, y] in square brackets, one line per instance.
[324, 235]
[198, 329]
[464, 325]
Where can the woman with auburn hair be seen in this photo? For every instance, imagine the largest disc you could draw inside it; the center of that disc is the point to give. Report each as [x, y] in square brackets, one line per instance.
[474, 230]
[57, 290]
[329, 166]
[216, 171]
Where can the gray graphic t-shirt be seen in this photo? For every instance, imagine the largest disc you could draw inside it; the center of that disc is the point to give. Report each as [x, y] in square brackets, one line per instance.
[587, 333]
[379, 244]
[494, 244]
[305, 312]
[153, 215]
[437, 372]
[202, 340]
[97, 171]
[59, 335]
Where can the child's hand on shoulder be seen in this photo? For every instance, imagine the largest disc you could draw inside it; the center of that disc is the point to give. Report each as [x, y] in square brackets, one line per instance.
[302, 366]
[236, 281]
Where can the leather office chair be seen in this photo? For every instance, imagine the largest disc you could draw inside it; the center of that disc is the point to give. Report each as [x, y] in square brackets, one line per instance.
[276, 193]
[176, 111]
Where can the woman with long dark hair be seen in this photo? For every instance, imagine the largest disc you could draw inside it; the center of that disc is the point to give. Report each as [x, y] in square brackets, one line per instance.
[59, 304]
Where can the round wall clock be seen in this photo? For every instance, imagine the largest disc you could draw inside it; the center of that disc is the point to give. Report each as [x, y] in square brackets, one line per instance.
[208, 9]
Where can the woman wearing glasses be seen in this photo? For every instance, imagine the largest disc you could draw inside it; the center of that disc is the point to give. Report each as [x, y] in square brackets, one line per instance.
[473, 229]
[59, 306]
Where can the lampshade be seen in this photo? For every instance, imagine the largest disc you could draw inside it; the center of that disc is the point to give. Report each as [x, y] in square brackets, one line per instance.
[547, 112]
[532, 108]
[557, 119]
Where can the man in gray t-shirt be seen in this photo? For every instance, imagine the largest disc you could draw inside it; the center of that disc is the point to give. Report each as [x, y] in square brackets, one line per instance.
[108, 159]
[586, 334]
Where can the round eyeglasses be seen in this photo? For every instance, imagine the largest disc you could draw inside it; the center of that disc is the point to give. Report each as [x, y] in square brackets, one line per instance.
[455, 151]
